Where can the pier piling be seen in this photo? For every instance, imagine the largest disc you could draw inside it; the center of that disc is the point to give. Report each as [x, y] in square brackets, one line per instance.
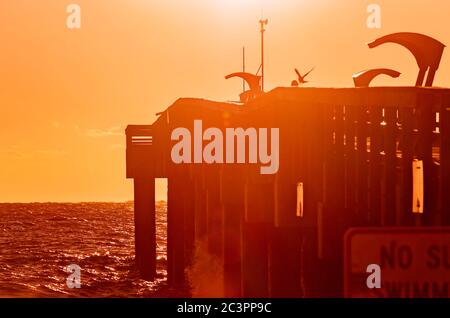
[145, 224]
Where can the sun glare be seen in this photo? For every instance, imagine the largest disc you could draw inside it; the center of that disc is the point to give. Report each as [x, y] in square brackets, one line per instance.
[236, 5]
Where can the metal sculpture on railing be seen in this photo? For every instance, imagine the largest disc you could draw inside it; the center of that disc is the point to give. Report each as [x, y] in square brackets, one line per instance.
[364, 78]
[427, 51]
[254, 83]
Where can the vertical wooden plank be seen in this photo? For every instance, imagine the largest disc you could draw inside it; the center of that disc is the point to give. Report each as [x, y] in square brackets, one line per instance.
[376, 117]
[406, 217]
[319, 285]
[308, 169]
[350, 164]
[362, 165]
[257, 229]
[175, 231]
[214, 212]
[233, 209]
[293, 249]
[145, 226]
[389, 168]
[200, 207]
[336, 218]
[340, 180]
[426, 125]
[314, 196]
[285, 265]
[189, 221]
[329, 176]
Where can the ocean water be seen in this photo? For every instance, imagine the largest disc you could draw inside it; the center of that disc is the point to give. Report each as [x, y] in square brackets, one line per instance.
[39, 240]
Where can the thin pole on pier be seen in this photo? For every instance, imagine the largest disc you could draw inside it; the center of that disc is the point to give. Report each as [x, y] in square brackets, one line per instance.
[243, 68]
[263, 23]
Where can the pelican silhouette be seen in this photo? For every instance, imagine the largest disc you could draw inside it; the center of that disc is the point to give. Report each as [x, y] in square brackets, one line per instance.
[301, 78]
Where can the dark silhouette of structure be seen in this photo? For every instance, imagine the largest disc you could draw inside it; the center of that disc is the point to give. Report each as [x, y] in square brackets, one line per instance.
[346, 157]
[364, 78]
[249, 220]
[427, 51]
[254, 84]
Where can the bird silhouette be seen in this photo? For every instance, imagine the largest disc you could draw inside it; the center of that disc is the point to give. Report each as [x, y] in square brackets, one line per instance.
[301, 78]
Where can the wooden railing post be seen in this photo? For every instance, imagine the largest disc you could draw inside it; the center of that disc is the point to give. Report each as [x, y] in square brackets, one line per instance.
[388, 209]
[362, 171]
[426, 126]
[376, 117]
[350, 163]
[407, 143]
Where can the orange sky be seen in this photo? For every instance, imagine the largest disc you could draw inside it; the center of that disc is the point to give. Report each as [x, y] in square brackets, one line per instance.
[66, 96]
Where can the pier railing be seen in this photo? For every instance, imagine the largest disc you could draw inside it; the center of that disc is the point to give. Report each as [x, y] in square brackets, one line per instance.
[361, 157]
[374, 160]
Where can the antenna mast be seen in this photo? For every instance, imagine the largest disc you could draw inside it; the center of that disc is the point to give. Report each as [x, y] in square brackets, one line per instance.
[263, 23]
[243, 68]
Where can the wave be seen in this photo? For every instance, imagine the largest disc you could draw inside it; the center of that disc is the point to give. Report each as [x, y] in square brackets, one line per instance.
[39, 240]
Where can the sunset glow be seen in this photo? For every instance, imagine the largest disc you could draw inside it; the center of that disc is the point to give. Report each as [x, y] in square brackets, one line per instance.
[67, 95]
[248, 153]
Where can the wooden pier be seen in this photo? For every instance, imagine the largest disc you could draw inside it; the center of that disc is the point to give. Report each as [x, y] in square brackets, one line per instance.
[346, 158]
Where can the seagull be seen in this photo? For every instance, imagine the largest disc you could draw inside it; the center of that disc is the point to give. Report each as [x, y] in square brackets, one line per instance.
[301, 79]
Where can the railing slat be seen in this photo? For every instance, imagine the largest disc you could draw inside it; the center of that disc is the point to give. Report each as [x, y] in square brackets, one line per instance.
[362, 170]
[405, 215]
[389, 170]
[350, 162]
[376, 117]
[426, 125]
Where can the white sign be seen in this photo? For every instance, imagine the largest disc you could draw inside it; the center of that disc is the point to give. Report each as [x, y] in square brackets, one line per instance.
[414, 262]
